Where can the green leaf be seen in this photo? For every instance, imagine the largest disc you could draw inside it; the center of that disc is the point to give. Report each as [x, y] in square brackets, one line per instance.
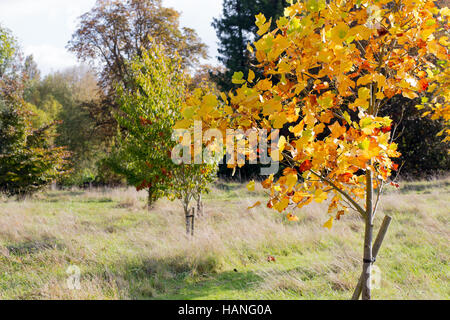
[238, 78]
[364, 145]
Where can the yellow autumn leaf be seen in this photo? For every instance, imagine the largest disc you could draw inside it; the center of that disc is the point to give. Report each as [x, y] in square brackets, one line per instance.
[363, 93]
[251, 76]
[228, 110]
[347, 117]
[260, 19]
[360, 32]
[284, 67]
[277, 188]
[249, 47]
[320, 196]
[291, 180]
[339, 32]
[251, 186]
[365, 79]
[280, 206]
[409, 94]
[223, 96]
[282, 22]
[264, 28]
[445, 12]
[291, 217]
[272, 106]
[282, 143]
[298, 129]
[380, 95]
[182, 124]
[279, 120]
[188, 113]
[329, 223]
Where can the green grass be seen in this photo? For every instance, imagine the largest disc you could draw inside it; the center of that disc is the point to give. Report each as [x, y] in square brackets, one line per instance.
[126, 252]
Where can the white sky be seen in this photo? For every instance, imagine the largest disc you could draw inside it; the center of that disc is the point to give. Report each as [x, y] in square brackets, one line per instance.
[43, 27]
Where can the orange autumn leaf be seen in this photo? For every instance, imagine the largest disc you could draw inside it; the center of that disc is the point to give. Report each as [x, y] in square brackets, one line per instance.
[339, 214]
[336, 130]
[257, 204]
[305, 166]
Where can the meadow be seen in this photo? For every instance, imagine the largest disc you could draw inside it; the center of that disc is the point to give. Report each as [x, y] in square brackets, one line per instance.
[126, 252]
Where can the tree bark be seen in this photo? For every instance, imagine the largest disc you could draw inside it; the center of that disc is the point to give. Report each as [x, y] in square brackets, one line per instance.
[367, 261]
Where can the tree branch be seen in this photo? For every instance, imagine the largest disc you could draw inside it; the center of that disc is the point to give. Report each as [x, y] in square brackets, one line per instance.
[347, 196]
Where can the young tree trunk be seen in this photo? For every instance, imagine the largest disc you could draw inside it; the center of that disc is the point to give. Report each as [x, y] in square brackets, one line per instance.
[188, 224]
[150, 199]
[190, 217]
[199, 206]
[376, 247]
[192, 221]
[367, 261]
[186, 199]
[21, 197]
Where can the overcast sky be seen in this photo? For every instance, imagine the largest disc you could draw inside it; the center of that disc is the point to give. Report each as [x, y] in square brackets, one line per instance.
[43, 27]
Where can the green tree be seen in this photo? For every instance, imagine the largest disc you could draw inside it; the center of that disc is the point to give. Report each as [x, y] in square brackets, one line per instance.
[28, 161]
[66, 96]
[28, 158]
[146, 115]
[143, 149]
[8, 51]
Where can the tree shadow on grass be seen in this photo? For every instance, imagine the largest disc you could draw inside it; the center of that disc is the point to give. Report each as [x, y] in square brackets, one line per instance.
[423, 186]
[74, 196]
[172, 280]
[63, 193]
[224, 285]
[228, 186]
[33, 246]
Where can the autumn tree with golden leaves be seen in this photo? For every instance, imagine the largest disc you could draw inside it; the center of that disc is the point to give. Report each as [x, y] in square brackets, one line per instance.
[329, 66]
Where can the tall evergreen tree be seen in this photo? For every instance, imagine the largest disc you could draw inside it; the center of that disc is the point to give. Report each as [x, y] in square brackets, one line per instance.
[235, 28]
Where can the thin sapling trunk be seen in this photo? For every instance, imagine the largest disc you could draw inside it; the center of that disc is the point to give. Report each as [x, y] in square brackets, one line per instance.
[368, 234]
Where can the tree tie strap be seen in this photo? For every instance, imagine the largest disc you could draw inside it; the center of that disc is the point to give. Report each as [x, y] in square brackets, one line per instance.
[370, 260]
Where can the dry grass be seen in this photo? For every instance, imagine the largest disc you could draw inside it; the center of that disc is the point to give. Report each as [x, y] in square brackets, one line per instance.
[126, 252]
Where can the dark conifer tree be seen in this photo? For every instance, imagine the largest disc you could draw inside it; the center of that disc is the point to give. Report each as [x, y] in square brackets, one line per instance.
[235, 29]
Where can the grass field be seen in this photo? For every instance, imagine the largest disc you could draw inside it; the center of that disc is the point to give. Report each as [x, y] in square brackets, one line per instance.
[126, 252]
